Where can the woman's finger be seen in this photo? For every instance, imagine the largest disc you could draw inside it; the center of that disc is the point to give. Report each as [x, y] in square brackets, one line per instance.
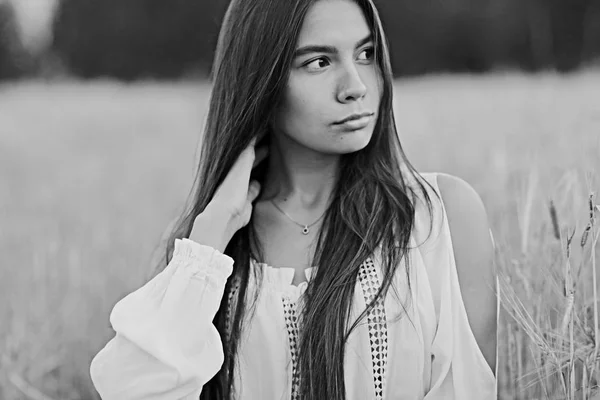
[253, 190]
[240, 166]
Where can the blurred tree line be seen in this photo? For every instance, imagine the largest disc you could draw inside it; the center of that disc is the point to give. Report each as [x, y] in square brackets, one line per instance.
[131, 39]
[10, 50]
[137, 38]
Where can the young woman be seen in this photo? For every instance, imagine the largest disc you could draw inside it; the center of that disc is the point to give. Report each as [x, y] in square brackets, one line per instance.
[332, 270]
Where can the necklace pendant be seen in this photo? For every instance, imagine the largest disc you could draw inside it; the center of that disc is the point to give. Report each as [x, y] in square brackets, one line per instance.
[305, 230]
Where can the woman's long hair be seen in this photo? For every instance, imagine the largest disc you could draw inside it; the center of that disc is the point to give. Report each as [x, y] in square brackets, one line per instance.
[372, 203]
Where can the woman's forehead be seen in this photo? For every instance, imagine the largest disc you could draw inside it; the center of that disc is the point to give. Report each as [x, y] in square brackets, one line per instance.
[333, 22]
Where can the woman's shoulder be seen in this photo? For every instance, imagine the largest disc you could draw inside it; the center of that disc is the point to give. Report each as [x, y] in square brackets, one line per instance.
[450, 205]
[466, 216]
[466, 232]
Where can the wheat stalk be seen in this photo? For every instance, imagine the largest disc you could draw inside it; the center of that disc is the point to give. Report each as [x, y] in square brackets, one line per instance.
[27, 389]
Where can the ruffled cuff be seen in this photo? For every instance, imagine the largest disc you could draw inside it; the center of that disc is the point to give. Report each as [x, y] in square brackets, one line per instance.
[211, 262]
[170, 317]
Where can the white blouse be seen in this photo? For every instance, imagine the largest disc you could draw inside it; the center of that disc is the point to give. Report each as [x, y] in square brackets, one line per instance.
[166, 346]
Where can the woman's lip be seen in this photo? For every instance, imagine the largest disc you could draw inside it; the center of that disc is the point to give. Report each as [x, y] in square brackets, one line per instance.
[355, 124]
[352, 118]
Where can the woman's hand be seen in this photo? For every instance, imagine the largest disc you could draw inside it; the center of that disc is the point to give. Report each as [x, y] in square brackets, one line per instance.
[230, 208]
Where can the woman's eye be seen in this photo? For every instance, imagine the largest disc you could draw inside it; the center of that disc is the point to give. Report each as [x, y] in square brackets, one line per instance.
[317, 64]
[367, 54]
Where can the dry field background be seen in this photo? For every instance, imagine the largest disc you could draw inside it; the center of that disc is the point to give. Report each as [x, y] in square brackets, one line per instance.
[92, 174]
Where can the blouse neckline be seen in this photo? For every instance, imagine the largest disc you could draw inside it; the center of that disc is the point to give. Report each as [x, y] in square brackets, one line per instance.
[281, 278]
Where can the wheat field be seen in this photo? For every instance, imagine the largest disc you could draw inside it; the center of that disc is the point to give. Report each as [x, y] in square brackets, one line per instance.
[93, 173]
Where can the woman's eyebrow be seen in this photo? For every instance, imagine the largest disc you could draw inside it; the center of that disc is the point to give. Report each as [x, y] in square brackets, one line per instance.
[327, 49]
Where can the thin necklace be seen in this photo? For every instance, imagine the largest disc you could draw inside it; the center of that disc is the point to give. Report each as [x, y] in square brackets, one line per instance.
[305, 228]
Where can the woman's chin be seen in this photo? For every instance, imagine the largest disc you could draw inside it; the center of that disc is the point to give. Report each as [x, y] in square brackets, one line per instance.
[352, 141]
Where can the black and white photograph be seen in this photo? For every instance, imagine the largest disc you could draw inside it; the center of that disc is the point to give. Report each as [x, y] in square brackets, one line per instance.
[299, 200]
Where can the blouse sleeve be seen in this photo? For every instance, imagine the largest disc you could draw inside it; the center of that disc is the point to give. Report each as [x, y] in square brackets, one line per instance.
[166, 346]
[459, 369]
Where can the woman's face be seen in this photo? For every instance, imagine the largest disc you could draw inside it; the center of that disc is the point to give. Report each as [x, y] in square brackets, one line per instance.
[333, 76]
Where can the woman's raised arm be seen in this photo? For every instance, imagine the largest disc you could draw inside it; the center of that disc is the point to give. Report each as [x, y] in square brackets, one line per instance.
[166, 346]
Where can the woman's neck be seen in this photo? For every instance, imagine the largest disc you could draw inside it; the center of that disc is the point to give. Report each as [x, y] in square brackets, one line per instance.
[298, 178]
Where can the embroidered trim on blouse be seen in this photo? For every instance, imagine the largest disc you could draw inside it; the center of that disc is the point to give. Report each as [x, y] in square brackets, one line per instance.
[291, 323]
[377, 325]
[231, 304]
[376, 320]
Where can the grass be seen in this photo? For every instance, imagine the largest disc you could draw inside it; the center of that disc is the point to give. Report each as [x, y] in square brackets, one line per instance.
[93, 173]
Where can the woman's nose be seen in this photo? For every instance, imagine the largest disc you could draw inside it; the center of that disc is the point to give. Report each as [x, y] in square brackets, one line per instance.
[352, 86]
